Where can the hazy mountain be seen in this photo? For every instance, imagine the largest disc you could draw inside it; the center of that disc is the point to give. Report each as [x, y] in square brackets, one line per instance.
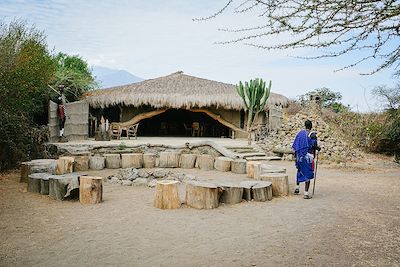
[107, 77]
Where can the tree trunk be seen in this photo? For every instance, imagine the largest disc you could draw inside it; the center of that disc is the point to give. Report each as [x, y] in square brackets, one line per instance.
[81, 163]
[201, 195]
[187, 161]
[97, 163]
[113, 161]
[132, 160]
[223, 164]
[280, 183]
[90, 190]
[149, 160]
[166, 195]
[65, 165]
[205, 162]
[63, 186]
[169, 159]
[231, 193]
[249, 125]
[34, 184]
[238, 166]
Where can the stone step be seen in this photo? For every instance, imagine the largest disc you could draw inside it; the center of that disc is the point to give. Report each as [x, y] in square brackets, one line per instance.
[266, 158]
[249, 155]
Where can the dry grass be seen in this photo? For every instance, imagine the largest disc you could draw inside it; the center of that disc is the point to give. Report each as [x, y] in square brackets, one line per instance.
[176, 90]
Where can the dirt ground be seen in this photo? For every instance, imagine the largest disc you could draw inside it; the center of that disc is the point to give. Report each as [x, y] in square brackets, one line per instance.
[353, 220]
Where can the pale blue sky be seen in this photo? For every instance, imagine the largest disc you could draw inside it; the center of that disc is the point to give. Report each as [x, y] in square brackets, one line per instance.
[155, 38]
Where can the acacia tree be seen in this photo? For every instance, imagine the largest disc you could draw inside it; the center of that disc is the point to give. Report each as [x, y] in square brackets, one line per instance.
[336, 28]
[329, 99]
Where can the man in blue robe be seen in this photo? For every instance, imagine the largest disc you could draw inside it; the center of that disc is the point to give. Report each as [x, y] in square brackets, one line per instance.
[304, 146]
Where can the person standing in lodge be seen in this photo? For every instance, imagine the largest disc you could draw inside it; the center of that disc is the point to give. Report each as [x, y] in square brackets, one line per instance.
[305, 146]
[62, 115]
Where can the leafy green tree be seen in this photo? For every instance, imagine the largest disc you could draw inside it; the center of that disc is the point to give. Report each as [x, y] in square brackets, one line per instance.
[74, 73]
[26, 67]
[329, 99]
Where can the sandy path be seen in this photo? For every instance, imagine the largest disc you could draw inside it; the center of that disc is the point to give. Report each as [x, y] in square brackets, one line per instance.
[352, 220]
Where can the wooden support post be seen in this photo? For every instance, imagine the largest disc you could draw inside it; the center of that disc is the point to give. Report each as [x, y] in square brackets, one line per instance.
[90, 190]
[64, 165]
[166, 195]
[187, 161]
[231, 193]
[223, 164]
[238, 166]
[201, 195]
[205, 162]
[132, 160]
[113, 161]
[97, 163]
[81, 163]
[280, 183]
[149, 160]
[169, 159]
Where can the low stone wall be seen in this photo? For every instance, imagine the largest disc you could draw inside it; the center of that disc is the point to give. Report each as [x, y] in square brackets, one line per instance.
[147, 177]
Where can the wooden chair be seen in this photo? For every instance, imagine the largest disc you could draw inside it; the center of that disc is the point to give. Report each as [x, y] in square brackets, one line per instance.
[195, 129]
[188, 129]
[132, 131]
[115, 131]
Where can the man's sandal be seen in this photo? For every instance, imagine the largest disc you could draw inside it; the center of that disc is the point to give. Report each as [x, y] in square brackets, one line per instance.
[296, 192]
[307, 197]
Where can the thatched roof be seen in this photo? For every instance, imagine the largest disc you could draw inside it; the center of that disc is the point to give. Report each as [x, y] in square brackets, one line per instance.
[176, 90]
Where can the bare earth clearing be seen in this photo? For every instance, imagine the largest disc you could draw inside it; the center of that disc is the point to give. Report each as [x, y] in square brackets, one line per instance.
[353, 220]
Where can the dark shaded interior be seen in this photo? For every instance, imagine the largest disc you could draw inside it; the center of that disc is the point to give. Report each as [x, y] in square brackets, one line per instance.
[179, 122]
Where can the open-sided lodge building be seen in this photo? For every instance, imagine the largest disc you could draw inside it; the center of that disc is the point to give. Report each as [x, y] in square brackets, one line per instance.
[181, 105]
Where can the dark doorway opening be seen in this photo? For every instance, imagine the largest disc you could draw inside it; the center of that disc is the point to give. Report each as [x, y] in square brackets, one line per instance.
[181, 122]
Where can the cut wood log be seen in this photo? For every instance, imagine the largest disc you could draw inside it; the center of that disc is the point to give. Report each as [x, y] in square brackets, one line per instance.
[223, 164]
[149, 160]
[257, 190]
[97, 162]
[132, 160]
[81, 163]
[250, 168]
[202, 195]
[169, 159]
[25, 171]
[187, 161]
[43, 165]
[166, 195]
[231, 193]
[65, 165]
[205, 162]
[113, 161]
[238, 166]
[33, 184]
[280, 183]
[63, 186]
[90, 189]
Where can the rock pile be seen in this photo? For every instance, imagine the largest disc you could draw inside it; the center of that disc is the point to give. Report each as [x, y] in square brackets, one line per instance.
[332, 147]
[147, 177]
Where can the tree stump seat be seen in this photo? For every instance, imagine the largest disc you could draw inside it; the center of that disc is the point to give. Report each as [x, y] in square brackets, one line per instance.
[63, 186]
[166, 195]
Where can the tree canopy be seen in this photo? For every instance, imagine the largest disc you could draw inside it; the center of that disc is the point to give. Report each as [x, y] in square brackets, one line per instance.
[329, 99]
[368, 29]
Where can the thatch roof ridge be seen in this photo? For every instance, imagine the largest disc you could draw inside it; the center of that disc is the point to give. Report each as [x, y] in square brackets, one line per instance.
[176, 90]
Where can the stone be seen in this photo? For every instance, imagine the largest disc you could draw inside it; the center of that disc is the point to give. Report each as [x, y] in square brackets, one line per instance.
[128, 174]
[144, 173]
[127, 182]
[152, 183]
[160, 173]
[140, 182]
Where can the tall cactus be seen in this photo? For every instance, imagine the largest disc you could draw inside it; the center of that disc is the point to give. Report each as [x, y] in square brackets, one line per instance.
[255, 95]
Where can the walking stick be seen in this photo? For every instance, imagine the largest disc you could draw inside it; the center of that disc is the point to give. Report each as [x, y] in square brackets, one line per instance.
[315, 174]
